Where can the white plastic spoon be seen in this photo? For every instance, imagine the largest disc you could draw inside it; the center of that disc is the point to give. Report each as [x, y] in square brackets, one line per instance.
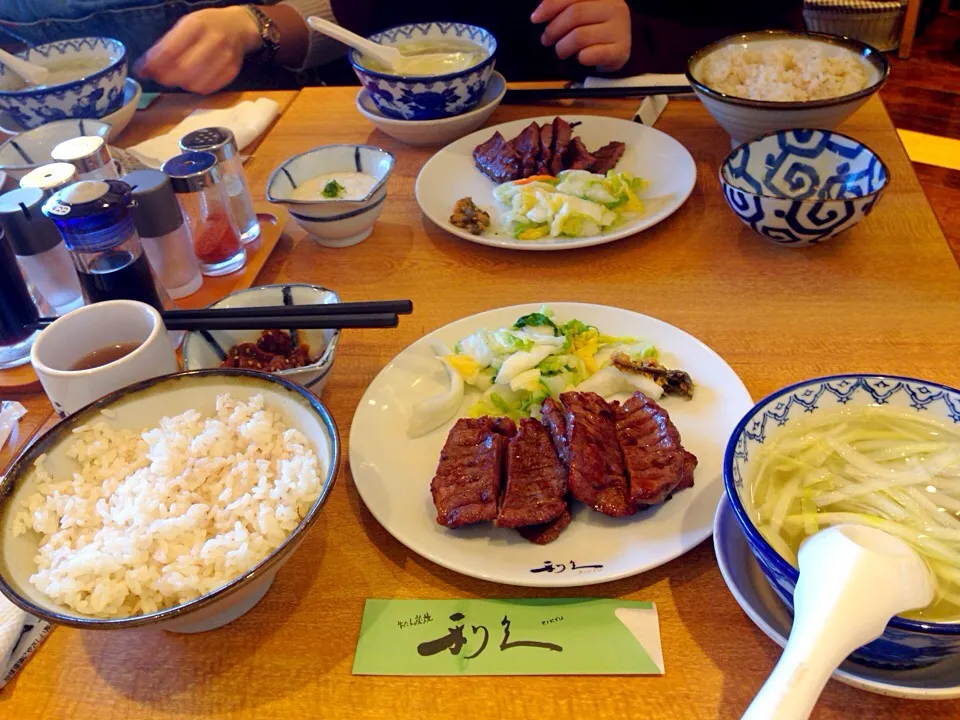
[33, 74]
[853, 579]
[391, 57]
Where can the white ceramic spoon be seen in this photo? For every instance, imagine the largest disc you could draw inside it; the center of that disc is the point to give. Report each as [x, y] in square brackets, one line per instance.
[853, 579]
[33, 74]
[391, 57]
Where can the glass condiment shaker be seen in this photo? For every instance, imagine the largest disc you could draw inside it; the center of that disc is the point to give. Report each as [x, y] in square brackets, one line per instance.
[17, 312]
[50, 178]
[164, 234]
[94, 218]
[222, 143]
[90, 155]
[203, 199]
[39, 248]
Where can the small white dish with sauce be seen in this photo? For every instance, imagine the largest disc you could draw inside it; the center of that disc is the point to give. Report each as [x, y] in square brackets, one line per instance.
[346, 214]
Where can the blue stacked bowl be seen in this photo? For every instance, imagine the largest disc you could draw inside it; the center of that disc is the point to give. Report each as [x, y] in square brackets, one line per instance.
[905, 643]
[799, 188]
[96, 93]
[428, 97]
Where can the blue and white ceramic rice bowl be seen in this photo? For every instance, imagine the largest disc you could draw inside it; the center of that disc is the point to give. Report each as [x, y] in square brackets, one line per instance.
[208, 348]
[97, 94]
[904, 643]
[333, 223]
[430, 96]
[801, 187]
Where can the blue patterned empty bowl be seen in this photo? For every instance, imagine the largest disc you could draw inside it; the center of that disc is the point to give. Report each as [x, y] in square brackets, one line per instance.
[429, 97]
[905, 643]
[801, 187]
[87, 77]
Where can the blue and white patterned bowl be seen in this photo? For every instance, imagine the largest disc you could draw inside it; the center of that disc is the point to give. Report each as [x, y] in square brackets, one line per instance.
[431, 96]
[801, 187]
[904, 643]
[333, 223]
[32, 148]
[96, 95]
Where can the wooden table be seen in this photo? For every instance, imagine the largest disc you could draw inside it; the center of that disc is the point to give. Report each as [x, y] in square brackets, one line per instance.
[885, 297]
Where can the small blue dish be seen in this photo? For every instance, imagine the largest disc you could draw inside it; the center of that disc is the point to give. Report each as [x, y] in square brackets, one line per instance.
[428, 97]
[97, 94]
[905, 643]
[333, 222]
[798, 188]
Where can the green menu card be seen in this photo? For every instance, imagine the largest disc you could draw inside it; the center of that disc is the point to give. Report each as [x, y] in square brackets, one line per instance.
[509, 637]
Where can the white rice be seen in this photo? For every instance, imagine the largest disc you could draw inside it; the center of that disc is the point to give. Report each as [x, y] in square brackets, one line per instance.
[153, 519]
[782, 73]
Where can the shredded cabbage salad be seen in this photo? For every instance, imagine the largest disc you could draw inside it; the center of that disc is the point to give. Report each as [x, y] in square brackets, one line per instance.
[575, 203]
[516, 368]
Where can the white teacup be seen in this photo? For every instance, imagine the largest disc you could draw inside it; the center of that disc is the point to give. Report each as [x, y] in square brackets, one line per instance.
[89, 329]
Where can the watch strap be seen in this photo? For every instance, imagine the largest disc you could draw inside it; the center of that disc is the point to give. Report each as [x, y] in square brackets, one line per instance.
[269, 36]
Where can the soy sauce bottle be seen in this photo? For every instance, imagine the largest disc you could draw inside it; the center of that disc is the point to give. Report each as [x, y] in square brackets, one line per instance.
[94, 218]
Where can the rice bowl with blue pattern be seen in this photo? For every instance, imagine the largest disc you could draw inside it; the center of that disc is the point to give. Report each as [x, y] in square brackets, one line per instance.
[798, 188]
[428, 97]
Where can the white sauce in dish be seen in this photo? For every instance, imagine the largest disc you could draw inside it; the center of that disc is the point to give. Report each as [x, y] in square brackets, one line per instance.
[352, 186]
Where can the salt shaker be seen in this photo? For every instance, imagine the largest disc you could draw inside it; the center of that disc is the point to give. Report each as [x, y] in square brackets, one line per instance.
[90, 155]
[222, 143]
[39, 249]
[164, 234]
[50, 178]
[203, 198]
[94, 218]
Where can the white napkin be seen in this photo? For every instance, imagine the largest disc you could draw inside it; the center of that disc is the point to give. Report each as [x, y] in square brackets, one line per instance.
[248, 120]
[648, 80]
[20, 635]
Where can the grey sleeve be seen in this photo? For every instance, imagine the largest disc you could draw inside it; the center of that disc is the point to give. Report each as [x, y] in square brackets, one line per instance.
[322, 49]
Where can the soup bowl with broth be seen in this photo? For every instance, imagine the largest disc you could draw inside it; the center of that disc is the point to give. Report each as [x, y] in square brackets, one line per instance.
[875, 450]
[433, 91]
[87, 77]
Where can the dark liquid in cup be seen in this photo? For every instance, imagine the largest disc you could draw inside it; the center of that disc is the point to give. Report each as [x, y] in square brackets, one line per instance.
[117, 275]
[104, 355]
[16, 306]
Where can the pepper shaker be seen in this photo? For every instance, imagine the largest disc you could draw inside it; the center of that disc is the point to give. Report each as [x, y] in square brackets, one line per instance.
[203, 199]
[94, 218]
[90, 155]
[50, 178]
[164, 234]
[222, 143]
[39, 249]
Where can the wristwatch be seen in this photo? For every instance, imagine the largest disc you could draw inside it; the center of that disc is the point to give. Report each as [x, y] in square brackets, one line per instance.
[269, 34]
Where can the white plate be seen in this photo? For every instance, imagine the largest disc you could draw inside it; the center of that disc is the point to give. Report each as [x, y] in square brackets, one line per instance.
[393, 472]
[753, 593]
[655, 156]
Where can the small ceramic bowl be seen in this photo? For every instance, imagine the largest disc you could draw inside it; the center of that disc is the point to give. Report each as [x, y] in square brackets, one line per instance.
[435, 132]
[427, 97]
[97, 94]
[333, 223]
[744, 118]
[800, 187]
[142, 405]
[207, 349]
[905, 643]
[31, 149]
[118, 120]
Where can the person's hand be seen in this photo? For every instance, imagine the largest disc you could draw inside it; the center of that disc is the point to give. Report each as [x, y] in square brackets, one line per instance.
[596, 31]
[204, 51]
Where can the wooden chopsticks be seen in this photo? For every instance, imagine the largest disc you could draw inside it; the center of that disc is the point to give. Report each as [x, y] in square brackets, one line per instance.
[369, 314]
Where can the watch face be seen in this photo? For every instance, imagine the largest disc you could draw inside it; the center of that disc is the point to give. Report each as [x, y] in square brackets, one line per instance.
[272, 34]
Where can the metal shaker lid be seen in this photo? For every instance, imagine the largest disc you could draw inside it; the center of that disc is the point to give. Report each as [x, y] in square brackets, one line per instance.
[155, 211]
[192, 171]
[24, 225]
[217, 140]
[50, 177]
[86, 153]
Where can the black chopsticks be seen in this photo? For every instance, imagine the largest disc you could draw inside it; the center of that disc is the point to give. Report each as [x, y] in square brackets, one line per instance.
[369, 314]
[532, 95]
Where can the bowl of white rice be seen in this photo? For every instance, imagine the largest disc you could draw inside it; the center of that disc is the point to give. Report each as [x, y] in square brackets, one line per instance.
[759, 82]
[172, 502]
